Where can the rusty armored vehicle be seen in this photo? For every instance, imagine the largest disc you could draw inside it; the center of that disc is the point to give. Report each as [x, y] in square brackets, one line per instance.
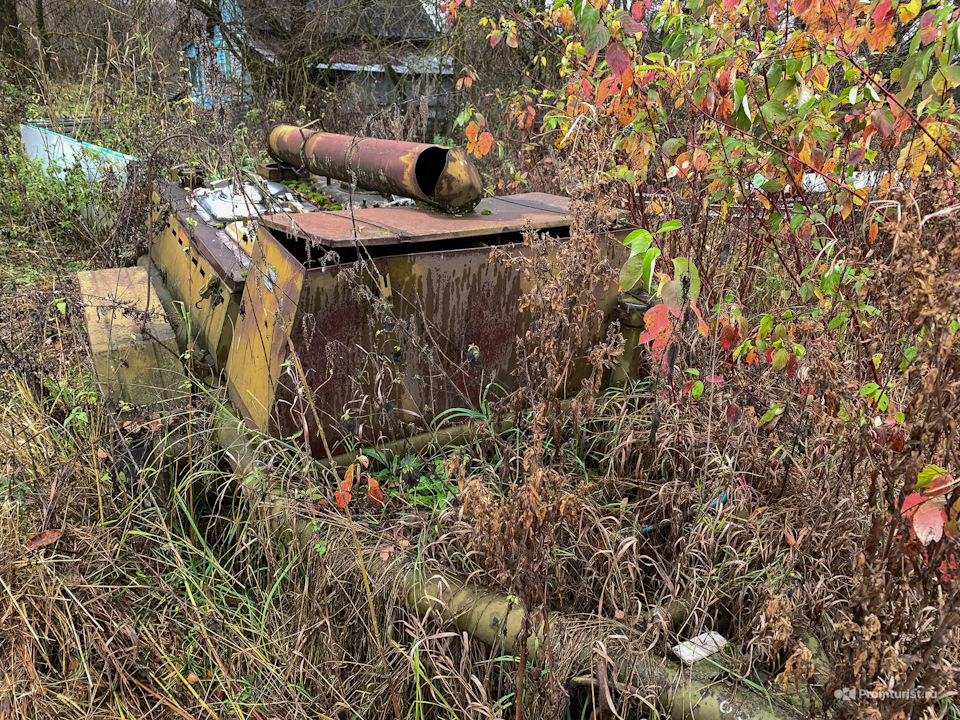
[365, 322]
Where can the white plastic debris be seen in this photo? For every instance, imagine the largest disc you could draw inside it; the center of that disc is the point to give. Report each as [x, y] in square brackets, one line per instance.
[700, 647]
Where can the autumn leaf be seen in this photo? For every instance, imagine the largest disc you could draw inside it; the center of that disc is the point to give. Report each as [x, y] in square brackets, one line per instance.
[733, 414]
[657, 329]
[927, 516]
[627, 110]
[907, 11]
[484, 143]
[47, 537]
[729, 336]
[617, 59]
[342, 497]
[928, 27]
[374, 493]
[882, 13]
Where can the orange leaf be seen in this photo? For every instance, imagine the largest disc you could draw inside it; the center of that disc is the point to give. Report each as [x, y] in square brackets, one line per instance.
[626, 80]
[484, 143]
[472, 131]
[603, 92]
[627, 110]
[374, 493]
[342, 497]
[47, 537]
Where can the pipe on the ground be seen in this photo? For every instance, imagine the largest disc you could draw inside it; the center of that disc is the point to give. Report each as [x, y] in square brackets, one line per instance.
[431, 173]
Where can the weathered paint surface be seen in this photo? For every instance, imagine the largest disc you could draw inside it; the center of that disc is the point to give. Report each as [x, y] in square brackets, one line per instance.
[203, 268]
[131, 366]
[260, 346]
[397, 225]
[431, 173]
[385, 346]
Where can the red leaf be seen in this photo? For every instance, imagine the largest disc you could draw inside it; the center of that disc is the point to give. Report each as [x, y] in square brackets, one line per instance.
[656, 320]
[512, 39]
[856, 156]
[730, 4]
[792, 365]
[716, 379]
[617, 59]
[638, 10]
[927, 516]
[687, 386]
[342, 497]
[733, 415]
[495, 38]
[629, 22]
[882, 13]
[729, 336]
[928, 27]
[657, 328]
[374, 493]
[47, 537]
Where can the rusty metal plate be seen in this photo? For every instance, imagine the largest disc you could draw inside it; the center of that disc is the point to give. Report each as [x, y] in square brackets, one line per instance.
[389, 226]
[228, 258]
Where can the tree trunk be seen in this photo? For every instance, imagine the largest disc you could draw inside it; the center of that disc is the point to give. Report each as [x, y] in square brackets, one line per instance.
[11, 40]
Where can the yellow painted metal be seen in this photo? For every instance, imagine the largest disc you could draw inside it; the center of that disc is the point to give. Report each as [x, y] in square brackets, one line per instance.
[208, 306]
[269, 305]
[134, 354]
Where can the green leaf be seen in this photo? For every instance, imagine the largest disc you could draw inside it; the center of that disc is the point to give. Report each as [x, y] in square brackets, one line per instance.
[739, 92]
[773, 111]
[780, 359]
[838, 321]
[928, 475]
[684, 273]
[766, 325]
[638, 241]
[597, 39]
[784, 89]
[770, 414]
[631, 272]
[697, 390]
[671, 146]
[649, 262]
[772, 186]
[869, 389]
[670, 227]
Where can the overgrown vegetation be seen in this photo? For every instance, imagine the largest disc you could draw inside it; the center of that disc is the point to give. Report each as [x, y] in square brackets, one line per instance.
[785, 471]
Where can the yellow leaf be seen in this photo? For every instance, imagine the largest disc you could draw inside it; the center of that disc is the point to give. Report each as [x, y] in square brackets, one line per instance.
[909, 10]
[886, 182]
